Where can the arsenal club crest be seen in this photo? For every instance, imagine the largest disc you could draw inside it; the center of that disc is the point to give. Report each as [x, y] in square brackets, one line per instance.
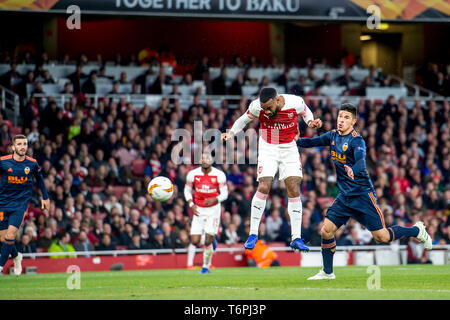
[290, 115]
[345, 147]
[213, 180]
[260, 169]
[27, 170]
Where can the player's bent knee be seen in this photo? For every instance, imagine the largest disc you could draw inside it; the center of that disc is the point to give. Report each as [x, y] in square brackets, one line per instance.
[326, 234]
[10, 235]
[263, 188]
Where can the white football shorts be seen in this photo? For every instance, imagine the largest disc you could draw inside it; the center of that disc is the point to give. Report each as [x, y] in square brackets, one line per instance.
[207, 221]
[284, 158]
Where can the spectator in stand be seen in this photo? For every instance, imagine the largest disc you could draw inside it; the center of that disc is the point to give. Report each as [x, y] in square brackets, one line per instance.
[83, 244]
[345, 79]
[299, 88]
[170, 237]
[325, 81]
[137, 243]
[76, 78]
[62, 244]
[46, 239]
[158, 241]
[236, 85]
[25, 245]
[219, 84]
[162, 79]
[89, 86]
[273, 224]
[106, 244]
[283, 79]
[442, 85]
[11, 79]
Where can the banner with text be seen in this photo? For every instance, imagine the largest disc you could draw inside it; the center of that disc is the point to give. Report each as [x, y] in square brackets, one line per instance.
[357, 10]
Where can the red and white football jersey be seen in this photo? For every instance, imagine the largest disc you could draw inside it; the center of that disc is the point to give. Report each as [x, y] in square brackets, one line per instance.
[283, 126]
[205, 185]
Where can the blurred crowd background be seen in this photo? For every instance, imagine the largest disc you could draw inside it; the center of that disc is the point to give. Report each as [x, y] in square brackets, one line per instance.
[94, 158]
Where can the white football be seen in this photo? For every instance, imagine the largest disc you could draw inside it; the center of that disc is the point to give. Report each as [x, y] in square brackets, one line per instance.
[160, 188]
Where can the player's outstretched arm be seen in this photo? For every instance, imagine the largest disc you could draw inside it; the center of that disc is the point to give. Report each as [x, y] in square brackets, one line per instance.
[238, 125]
[322, 140]
[308, 116]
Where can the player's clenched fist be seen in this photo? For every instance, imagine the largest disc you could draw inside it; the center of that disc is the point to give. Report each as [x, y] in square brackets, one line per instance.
[315, 124]
[226, 136]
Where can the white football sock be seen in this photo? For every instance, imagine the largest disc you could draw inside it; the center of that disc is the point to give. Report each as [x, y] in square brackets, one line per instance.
[191, 254]
[295, 211]
[207, 255]
[257, 210]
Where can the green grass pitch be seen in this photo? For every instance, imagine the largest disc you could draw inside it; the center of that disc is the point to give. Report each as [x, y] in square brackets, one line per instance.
[277, 283]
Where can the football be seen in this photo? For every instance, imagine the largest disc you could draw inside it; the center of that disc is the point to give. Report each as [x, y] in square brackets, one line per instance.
[160, 188]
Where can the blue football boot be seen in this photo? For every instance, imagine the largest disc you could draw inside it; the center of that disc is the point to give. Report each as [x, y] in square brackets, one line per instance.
[251, 241]
[299, 245]
[205, 270]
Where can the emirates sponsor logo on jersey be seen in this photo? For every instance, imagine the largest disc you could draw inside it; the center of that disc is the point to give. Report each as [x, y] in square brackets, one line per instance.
[280, 126]
[205, 189]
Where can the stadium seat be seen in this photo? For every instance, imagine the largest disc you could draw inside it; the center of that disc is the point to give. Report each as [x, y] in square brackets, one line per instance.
[15, 130]
[383, 93]
[249, 91]
[332, 91]
[119, 190]
[138, 167]
[9, 123]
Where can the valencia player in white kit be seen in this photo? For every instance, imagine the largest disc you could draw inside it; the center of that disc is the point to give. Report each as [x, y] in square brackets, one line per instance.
[205, 189]
[277, 151]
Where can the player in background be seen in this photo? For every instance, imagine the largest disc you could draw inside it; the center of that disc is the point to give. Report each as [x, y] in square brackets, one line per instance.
[277, 151]
[356, 198]
[16, 189]
[205, 189]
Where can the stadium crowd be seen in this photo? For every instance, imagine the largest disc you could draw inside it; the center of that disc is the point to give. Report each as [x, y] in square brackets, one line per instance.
[86, 152]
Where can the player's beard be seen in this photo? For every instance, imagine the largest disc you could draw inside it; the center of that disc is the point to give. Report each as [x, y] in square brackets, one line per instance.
[21, 153]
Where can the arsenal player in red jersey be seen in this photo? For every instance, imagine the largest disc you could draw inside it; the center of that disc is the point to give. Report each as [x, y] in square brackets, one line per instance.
[205, 189]
[277, 151]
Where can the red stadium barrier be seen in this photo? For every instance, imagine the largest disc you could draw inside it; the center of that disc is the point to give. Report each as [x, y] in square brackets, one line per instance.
[145, 262]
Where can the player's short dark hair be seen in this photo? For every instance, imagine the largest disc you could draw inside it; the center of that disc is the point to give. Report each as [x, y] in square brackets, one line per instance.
[267, 94]
[346, 106]
[19, 136]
